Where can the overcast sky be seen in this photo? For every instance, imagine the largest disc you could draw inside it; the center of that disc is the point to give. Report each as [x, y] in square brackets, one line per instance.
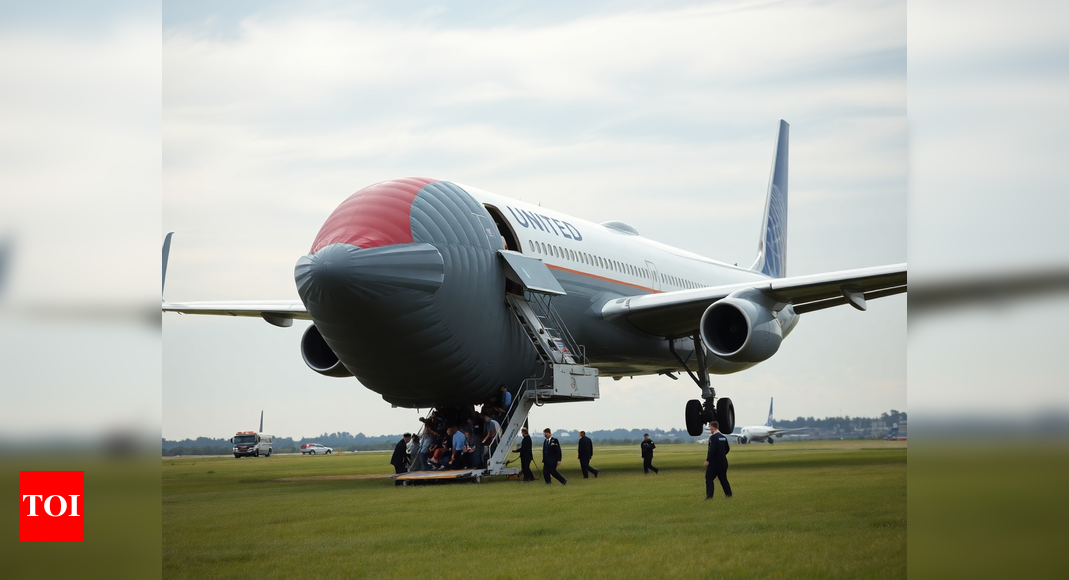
[659, 115]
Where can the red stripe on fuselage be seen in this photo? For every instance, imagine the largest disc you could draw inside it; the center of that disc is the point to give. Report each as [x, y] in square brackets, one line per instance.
[378, 215]
[589, 275]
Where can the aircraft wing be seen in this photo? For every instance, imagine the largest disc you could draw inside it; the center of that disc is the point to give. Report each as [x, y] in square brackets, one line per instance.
[675, 314]
[277, 312]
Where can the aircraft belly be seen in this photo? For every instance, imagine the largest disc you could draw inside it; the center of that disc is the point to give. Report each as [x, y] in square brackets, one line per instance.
[614, 349]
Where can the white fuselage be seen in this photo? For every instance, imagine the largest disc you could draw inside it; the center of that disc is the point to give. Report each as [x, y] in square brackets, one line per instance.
[571, 244]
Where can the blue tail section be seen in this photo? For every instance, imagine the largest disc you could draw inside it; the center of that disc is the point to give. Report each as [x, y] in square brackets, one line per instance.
[769, 422]
[772, 247]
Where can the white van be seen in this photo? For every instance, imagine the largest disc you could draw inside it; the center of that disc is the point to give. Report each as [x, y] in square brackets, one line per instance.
[252, 444]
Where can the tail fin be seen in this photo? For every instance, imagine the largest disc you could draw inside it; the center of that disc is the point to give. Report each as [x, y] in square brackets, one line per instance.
[769, 422]
[166, 254]
[772, 246]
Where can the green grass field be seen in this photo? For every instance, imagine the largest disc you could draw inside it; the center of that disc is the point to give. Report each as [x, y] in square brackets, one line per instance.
[801, 510]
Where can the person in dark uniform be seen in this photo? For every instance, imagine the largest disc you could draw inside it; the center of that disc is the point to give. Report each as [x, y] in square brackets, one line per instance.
[526, 455]
[716, 462]
[551, 458]
[400, 455]
[647, 454]
[586, 451]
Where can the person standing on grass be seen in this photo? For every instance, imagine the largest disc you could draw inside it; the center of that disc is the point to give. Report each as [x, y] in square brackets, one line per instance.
[551, 458]
[400, 455]
[647, 454]
[526, 455]
[716, 462]
[586, 451]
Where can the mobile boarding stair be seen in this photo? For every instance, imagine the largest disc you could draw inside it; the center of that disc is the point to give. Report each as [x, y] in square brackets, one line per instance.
[565, 376]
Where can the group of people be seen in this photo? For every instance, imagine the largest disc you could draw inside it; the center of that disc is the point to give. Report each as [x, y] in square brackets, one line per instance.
[449, 443]
[716, 462]
[552, 456]
[453, 438]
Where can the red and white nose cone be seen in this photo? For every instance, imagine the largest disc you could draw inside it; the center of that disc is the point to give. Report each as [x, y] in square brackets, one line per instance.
[378, 215]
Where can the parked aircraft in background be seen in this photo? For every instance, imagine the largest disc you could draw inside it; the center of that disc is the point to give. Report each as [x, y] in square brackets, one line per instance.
[416, 277]
[766, 432]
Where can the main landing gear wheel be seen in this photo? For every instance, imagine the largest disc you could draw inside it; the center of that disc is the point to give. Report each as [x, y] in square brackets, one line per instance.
[695, 416]
[725, 415]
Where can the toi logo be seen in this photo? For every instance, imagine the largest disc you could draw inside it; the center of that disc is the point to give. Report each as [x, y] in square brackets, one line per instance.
[52, 504]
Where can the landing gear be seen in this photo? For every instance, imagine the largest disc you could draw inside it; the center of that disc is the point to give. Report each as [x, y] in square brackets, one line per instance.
[697, 412]
[725, 415]
[770, 441]
[695, 417]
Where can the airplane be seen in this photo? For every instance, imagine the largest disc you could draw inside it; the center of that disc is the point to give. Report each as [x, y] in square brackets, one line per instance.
[420, 288]
[759, 433]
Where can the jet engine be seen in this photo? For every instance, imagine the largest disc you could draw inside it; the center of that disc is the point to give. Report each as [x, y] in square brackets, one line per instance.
[319, 357]
[742, 440]
[745, 327]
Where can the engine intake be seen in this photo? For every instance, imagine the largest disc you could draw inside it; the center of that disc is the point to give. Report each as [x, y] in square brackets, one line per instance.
[318, 355]
[742, 327]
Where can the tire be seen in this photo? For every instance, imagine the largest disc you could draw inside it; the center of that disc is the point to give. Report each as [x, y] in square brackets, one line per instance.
[268, 453]
[694, 418]
[313, 452]
[329, 452]
[236, 456]
[725, 415]
[256, 453]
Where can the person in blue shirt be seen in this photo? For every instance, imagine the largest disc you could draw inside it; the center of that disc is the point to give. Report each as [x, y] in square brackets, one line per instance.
[458, 439]
[506, 398]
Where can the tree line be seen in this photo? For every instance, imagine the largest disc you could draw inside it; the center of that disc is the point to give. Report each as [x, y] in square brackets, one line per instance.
[344, 441]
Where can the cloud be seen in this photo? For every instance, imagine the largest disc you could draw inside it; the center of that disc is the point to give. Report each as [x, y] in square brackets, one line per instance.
[661, 117]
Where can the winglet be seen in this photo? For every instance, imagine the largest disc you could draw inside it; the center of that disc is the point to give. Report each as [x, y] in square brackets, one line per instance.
[166, 252]
[772, 245]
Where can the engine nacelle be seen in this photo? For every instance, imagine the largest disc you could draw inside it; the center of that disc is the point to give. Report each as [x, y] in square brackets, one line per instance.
[319, 357]
[744, 327]
[742, 440]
